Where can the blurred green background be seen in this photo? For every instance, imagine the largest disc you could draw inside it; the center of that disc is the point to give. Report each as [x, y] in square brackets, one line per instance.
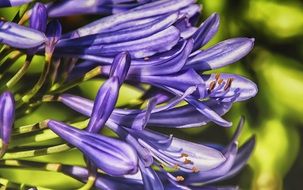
[275, 115]
[276, 65]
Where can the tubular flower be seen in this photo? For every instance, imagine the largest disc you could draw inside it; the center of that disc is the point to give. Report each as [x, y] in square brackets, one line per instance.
[75, 7]
[19, 36]
[110, 155]
[193, 163]
[185, 116]
[178, 69]
[154, 46]
[108, 94]
[7, 114]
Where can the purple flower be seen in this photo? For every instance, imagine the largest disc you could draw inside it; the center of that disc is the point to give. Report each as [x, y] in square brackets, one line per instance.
[137, 16]
[110, 155]
[194, 163]
[19, 36]
[7, 114]
[75, 7]
[11, 3]
[53, 33]
[104, 181]
[108, 93]
[38, 18]
[175, 68]
[143, 31]
[184, 116]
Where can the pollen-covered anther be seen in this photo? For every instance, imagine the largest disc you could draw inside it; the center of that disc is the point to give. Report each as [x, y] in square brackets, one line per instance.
[228, 83]
[212, 86]
[195, 170]
[184, 155]
[180, 178]
[176, 166]
[187, 161]
[218, 76]
[220, 81]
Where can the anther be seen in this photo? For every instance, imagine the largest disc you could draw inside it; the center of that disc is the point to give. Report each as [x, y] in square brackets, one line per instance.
[228, 83]
[176, 166]
[187, 161]
[195, 170]
[180, 178]
[212, 85]
[220, 81]
[184, 155]
[217, 77]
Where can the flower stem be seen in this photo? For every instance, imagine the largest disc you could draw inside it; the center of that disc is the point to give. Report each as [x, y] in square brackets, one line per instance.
[57, 88]
[89, 184]
[37, 152]
[41, 81]
[38, 126]
[13, 57]
[20, 73]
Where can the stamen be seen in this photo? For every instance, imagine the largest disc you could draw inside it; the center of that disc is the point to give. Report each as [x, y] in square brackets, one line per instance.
[228, 83]
[180, 178]
[212, 85]
[187, 161]
[220, 81]
[184, 155]
[195, 170]
[217, 77]
[176, 166]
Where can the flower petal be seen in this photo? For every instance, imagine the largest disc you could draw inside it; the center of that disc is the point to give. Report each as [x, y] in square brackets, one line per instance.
[238, 89]
[19, 36]
[206, 31]
[38, 18]
[148, 10]
[104, 104]
[7, 114]
[223, 53]
[124, 35]
[110, 155]
[156, 43]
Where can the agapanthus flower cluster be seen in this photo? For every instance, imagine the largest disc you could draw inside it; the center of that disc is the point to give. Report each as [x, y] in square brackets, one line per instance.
[157, 47]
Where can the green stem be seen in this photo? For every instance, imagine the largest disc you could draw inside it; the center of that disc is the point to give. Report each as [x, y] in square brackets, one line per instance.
[24, 18]
[68, 67]
[4, 147]
[13, 57]
[89, 184]
[7, 184]
[41, 81]
[38, 126]
[57, 88]
[53, 167]
[20, 73]
[54, 71]
[29, 128]
[37, 152]
[5, 51]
